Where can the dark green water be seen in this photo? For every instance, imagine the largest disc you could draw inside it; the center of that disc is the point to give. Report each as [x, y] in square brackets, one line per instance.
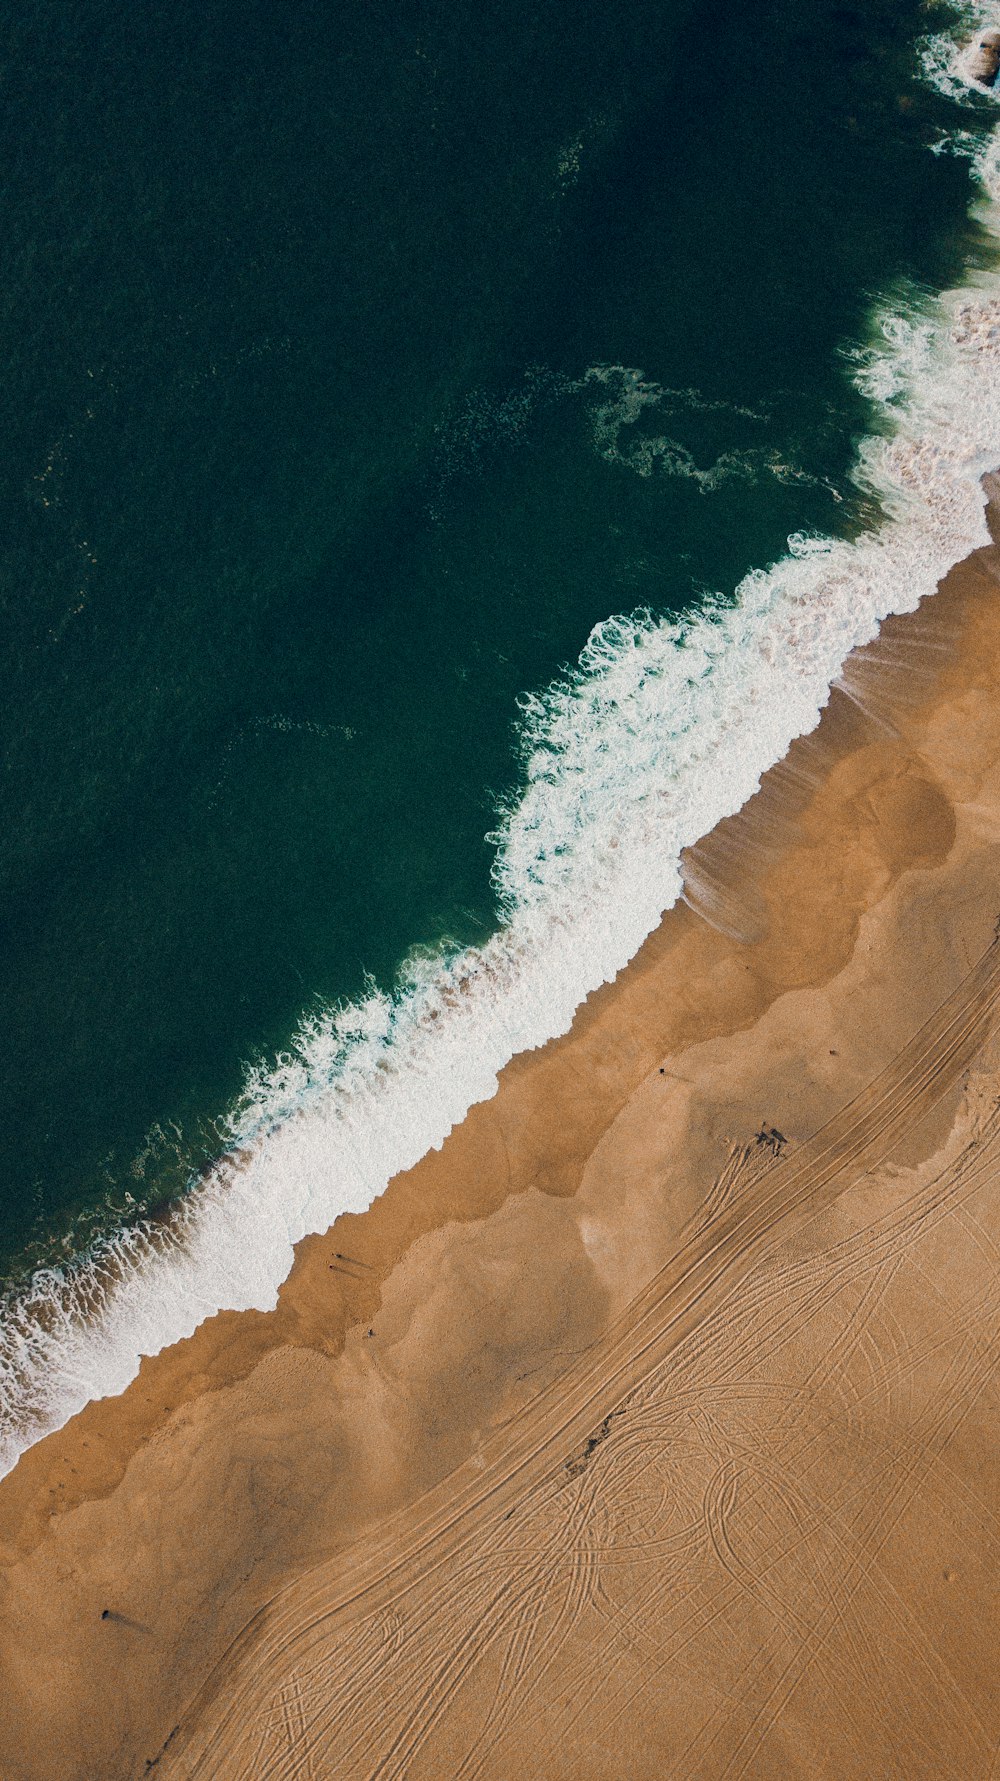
[305, 480]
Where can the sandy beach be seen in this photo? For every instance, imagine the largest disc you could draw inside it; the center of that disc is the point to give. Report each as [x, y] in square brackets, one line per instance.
[649, 1427]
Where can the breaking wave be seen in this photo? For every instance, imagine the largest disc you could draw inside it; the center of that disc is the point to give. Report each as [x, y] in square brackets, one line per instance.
[663, 729]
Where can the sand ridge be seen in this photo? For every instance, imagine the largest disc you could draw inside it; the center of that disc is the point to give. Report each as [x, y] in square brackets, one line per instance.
[649, 1427]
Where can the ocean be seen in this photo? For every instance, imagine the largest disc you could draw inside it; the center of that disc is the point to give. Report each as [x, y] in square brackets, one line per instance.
[448, 456]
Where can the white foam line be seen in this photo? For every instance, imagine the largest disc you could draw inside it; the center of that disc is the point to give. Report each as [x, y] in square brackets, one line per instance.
[663, 730]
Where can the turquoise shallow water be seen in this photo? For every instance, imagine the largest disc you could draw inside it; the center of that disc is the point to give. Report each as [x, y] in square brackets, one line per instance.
[356, 366]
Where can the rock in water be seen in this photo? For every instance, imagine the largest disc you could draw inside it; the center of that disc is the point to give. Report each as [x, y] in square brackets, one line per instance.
[984, 58]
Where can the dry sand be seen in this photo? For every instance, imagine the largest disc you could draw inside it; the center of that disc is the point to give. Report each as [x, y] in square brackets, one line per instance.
[649, 1428]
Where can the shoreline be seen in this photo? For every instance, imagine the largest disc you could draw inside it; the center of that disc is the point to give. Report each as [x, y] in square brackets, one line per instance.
[404, 1338]
[660, 731]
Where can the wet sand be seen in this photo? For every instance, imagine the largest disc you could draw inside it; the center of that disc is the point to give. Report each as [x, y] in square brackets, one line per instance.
[648, 1428]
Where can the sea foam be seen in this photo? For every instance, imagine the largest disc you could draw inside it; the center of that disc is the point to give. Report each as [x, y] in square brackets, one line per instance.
[663, 729]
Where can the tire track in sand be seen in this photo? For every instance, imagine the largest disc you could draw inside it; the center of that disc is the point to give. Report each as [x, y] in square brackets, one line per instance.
[447, 1569]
